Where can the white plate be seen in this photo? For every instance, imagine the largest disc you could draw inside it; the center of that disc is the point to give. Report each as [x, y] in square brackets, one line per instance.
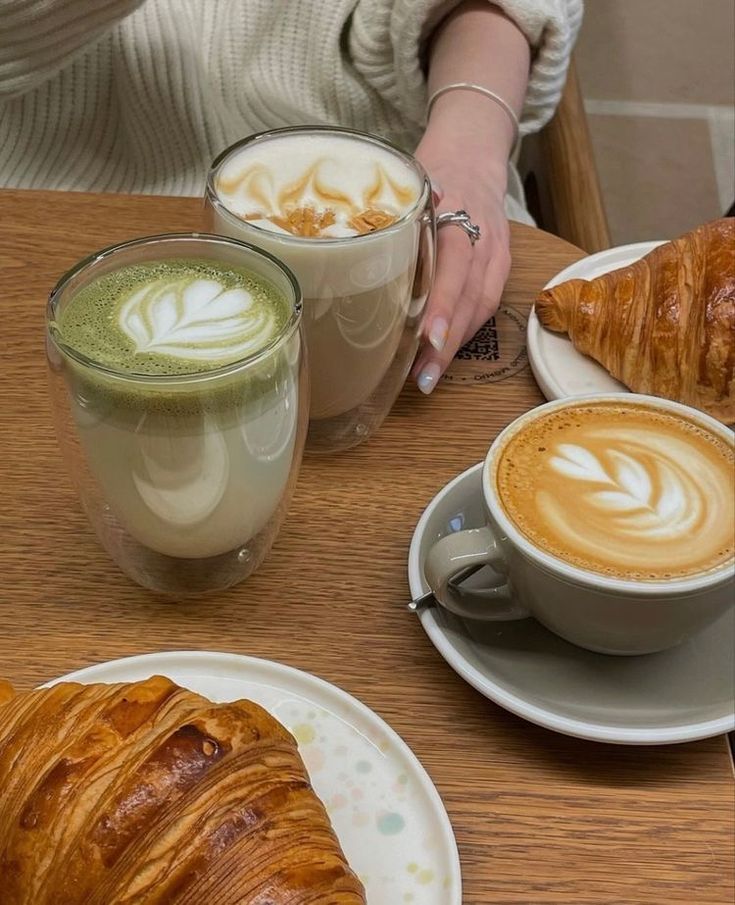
[677, 695]
[384, 807]
[560, 370]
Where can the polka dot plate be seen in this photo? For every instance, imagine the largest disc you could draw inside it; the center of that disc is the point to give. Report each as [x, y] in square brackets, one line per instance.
[384, 807]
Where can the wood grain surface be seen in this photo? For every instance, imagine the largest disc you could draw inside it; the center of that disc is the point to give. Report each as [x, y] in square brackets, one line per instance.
[539, 818]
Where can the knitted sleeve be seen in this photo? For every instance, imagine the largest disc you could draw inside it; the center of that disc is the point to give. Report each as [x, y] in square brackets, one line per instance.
[39, 37]
[387, 39]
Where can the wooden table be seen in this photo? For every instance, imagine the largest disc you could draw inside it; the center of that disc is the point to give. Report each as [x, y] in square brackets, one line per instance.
[539, 818]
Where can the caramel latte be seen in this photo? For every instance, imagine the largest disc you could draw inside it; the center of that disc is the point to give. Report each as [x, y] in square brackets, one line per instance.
[342, 211]
[621, 489]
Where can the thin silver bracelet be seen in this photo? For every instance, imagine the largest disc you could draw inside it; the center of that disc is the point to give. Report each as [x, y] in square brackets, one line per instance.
[470, 86]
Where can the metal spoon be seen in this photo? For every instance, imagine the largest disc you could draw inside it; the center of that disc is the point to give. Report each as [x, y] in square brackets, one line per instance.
[428, 600]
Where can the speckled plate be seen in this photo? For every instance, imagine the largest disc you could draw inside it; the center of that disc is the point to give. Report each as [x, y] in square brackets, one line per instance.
[384, 808]
[560, 370]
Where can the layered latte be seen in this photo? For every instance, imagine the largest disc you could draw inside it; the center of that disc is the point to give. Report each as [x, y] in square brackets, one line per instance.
[192, 457]
[342, 211]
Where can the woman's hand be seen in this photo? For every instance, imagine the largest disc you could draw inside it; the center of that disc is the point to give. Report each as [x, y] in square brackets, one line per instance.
[465, 151]
[469, 278]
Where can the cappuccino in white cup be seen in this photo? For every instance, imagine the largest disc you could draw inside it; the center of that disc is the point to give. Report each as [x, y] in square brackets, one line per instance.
[610, 519]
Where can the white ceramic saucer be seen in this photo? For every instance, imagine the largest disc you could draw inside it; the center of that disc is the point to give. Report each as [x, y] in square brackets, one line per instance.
[677, 695]
[384, 807]
[560, 370]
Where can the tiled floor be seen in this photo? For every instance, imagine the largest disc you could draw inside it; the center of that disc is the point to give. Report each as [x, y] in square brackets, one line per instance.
[659, 82]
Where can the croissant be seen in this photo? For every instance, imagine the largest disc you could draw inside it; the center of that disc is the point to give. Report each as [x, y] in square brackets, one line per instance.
[664, 325]
[148, 794]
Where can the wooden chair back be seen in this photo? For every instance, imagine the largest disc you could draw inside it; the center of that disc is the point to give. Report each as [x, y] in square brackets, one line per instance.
[560, 175]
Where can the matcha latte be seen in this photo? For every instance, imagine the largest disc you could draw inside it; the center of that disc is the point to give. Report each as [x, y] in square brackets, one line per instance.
[182, 373]
[173, 317]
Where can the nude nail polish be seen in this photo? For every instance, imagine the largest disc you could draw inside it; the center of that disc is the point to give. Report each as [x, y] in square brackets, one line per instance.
[438, 333]
[429, 377]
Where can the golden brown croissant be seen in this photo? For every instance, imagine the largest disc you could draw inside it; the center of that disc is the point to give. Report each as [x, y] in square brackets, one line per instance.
[664, 325]
[147, 794]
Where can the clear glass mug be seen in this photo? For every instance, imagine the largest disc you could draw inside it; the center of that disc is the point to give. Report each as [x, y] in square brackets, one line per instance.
[364, 297]
[185, 479]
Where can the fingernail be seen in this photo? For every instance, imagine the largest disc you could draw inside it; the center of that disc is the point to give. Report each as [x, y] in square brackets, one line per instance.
[429, 377]
[438, 333]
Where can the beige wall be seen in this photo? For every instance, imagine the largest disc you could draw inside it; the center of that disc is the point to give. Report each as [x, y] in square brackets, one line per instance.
[658, 78]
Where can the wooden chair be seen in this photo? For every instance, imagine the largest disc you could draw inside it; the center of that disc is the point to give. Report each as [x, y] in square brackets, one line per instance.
[560, 176]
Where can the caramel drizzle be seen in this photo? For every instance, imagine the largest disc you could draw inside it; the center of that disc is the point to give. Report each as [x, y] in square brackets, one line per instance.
[255, 180]
[305, 220]
[293, 193]
[403, 195]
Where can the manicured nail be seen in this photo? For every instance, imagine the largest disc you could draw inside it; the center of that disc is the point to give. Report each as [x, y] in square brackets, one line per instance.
[438, 333]
[429, 377]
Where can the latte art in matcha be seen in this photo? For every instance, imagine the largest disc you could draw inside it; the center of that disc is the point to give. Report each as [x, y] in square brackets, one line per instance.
[172, 317]
[195, 319]
[195, 467]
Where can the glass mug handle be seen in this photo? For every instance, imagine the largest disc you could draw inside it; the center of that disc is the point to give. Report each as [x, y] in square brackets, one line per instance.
[425, 263]
[458, 553]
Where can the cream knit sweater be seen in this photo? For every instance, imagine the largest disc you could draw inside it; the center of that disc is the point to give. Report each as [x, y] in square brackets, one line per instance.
[141, 95]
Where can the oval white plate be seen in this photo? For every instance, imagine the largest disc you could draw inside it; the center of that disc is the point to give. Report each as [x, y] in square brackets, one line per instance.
[678, 695]
[384, 807]
[560, 370]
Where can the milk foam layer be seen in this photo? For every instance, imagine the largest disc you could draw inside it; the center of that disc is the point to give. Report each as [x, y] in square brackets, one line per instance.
[173, 317]
[624, 490]
[326, 173]
[195, 319]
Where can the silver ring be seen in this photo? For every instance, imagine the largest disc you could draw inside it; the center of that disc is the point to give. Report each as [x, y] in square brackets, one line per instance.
[461, 219]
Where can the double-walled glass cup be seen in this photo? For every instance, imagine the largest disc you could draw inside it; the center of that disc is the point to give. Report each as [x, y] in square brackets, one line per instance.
[364, 295]
[186, 479]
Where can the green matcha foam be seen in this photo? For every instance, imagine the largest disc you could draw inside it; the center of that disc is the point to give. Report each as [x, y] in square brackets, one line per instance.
[175, 318]
[172, 317]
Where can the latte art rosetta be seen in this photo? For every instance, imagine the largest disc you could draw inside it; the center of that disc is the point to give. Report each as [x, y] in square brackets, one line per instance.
[178, 316]
[643, 493]
[623, 490]
[195, 319]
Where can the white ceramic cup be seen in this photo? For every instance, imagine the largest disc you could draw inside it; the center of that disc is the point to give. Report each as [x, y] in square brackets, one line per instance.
[595, 611]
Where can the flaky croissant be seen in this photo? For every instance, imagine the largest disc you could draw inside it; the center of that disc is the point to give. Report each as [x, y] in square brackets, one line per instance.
[147, 794]
[664, 325]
